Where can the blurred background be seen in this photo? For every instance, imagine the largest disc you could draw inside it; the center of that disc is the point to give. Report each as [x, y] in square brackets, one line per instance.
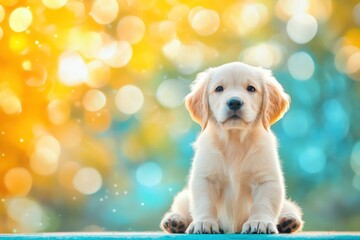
[94, 135]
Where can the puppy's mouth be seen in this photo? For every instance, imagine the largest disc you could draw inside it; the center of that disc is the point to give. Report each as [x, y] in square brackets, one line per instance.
[232, 117]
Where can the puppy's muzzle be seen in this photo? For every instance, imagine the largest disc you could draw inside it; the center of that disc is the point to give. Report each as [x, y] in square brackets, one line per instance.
[234, 104]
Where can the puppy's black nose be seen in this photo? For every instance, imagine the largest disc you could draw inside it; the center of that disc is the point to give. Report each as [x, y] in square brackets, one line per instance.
[234, 104]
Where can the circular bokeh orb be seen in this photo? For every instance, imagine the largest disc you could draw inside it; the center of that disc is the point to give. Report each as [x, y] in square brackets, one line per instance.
[301, 28]
[312, 160]
[94, 100]
[129, 99]
[301, 66]
[205, 22]
[20, 19]
[149, 174]
[104, 11]
[18, 181]
[87, 180]
[131, 29]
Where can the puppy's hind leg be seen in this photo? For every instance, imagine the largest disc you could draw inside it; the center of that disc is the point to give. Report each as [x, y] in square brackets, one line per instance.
[290, 219]
[178, 218]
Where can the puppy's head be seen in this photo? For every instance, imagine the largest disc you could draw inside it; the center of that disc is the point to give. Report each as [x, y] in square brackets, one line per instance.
[236, 95]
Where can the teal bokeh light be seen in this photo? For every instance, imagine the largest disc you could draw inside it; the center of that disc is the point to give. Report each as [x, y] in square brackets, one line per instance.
[312, 159]
[297, 123]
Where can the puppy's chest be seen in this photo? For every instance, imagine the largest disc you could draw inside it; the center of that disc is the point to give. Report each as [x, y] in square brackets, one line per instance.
[236, 160]
[235, 172]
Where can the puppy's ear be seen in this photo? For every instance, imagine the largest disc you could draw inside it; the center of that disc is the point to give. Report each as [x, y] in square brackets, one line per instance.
[197, 100]
[275, 101]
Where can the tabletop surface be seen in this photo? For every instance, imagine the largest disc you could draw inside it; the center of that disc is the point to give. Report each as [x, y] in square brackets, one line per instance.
[160, 235]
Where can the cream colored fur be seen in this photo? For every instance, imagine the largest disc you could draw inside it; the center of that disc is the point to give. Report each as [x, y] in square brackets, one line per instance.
[236, 183]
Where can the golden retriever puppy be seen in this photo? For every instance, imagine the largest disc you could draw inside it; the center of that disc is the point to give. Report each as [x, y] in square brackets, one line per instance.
[236, 184]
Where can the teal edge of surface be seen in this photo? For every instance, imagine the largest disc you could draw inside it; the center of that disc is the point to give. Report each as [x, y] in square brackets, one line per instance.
[112, 236]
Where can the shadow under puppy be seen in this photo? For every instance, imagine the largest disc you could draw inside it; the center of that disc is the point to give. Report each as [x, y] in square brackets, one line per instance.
[236, 184]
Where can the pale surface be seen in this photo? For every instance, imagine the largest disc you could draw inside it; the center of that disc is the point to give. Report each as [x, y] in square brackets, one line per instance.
[160, 235]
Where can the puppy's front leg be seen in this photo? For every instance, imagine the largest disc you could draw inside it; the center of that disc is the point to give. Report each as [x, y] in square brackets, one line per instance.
[267, 201]
[202, 205]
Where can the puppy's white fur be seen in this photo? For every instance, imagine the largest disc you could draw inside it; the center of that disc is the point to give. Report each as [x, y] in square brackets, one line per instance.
[236, 182]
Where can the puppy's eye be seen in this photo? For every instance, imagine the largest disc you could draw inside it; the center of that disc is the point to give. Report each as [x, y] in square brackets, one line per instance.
[251, 88]
[219, 89]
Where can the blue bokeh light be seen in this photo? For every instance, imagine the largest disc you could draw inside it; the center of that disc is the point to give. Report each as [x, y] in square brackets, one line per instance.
[149, 174]
[336, 118]
[312, 159]
[296, 123]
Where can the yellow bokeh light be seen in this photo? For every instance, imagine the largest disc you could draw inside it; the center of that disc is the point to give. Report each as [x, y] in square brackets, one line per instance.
[94, 100]
[205, 22]
[54, 4]
[288, 8]
[116, 54]
[179, 13]
[58, 111]
[87, 180]
[302, 28]
[193, 12]
[321, 10]
[129, 99]
[266, 55]
[18, 181]
[237, 17]
[2, 13]
[27, 214]
[1, 33]
[18, 42]
[78, 9]
[49, 142]
[20, 19]
[99, 74]
[352, 37]
[131, 29]
[88, 43]
[167, 29]
[187, 58]
[104, 11]
[164, 30]
[72, 69]
[353, 63]
[26, 65]
[11, 104]
[342, 56]
[256, 12]
[36, 74]
[44, 161]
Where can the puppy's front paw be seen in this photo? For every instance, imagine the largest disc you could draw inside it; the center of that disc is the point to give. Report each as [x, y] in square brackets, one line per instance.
[289, 224]
[203, 227]
[259, 227]
[173, 223]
